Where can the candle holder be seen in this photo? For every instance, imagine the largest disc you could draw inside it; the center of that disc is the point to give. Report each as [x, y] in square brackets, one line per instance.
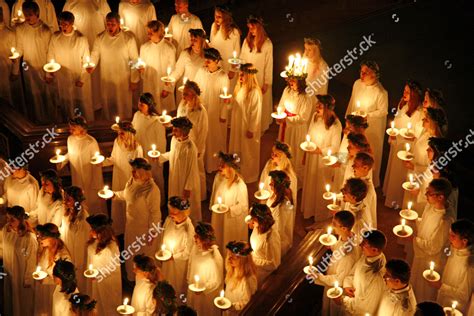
[403, 231]
[407, 133]
[196, 287]
[410, 186]
[225, 95]
[452, 311]
[97, 159]
[329, 160]
[234, 61]
[168, 79]
[279, 115]
[153, 153]
[431, 275]
[52, 66]
[164, 118]
[58, 158]
[359, 113]
[327, 239]
[220, 208]
[39, 274]
[408, 213]
[15, 54]
[115, 126]
[328, 195]
[222, 302]
[163, 254]
[88, 65]
[392, 131]
[125, 309]
[91, 273]
[308, 145]
[405, 155]
[334, 292]
[105, 193]
[262, 194]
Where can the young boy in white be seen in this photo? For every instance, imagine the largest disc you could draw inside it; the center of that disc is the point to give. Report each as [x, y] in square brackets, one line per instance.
[354, 194]
[362, 166]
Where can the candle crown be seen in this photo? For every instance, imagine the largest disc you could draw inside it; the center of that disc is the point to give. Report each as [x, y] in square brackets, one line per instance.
[297, 67]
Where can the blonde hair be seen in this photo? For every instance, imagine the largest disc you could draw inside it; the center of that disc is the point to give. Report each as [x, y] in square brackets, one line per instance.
[245, 268]
[285, 162]
[228, 24]
[250, 83]
[129, 141]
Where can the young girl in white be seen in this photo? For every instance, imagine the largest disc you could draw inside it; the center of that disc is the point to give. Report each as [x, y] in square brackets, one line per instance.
[49, 205]
[21, 189]
[231, 188]
[65, 279]
[164, 298]
[317, 79]
[147, 275]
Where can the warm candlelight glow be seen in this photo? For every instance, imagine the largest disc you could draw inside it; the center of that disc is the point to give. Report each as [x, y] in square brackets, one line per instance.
[185, 79]
[358, 104]
[454, 305]
[334, 199]
[166, 30]
[106, 188]
[403, 222]
[329, 152]
[279, 110]
[38, 269]
[409, 125]
[291, 60]
[117, 119]
[91, 267]
[260, 186]
[411, 178]
[407, 147]
[58, 151]
[310, 260]
[19, 13]
[225, 91]
[432, 265]
[234, 54]
[336, 284]
[125, 301]
[153, 147]
[171, 244]
[308, 138]
[163, 247]
[196, 281]
[410, 205]
[329, 230]
[328, 187]
[392, 125]
[168, 71]
[219, 200]
[222, 294]
[163, 113]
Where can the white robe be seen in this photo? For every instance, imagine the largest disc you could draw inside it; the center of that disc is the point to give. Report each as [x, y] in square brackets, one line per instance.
[284, 216]
[317, 78]
[239, 292]
[180, 30]
[19, 262]
[343, 159]
[142, 298]
[181, 237]
[211, 85]
[266, 179]
[209, 266]
[136, 17]
[317, 175]
[107, 292]
[158, 57]
[46, 210]
[395, 173]
[362, 216]
[266, 252]
[47, 12]
[121, 173]
[80, 150]
[246, 114]
[457, 280]
[398, 302]
[263, 61]
[231, 225]
[225, 46]
[373, 101]
[70, 51]
[75, 237]
[369, 285]
[8, 41]
[143, 212]
[300, 106]
[113, 54]
[431, 237]
[370, 202]
[184, 173]
[22, 192]
[61, 304]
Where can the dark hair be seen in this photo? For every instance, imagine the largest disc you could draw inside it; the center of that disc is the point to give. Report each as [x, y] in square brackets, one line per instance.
[356, 187]
[148, 99]
[147, 264]
[77, 195]
[416, 97]
[65, 271]
[51, 175]
[441, 186]
[263, 215]
[371, 64]
[206, 234]
[437, 96]
[31, 6]
[179, 203]
[185, 310]
[329, 103]
[283, 147]
[300, 84]
[365, 158]
[359, 140]
[239, 248]
[155, 25]
[429, 309]
[140, 163]
[231, 160]
[66, 16]
[182, 123]
[465, 229]
[165, 297]
[281, 183]
[78, 121]
[376, 239]
[19, 213]
[212, 54]
[345, 218]
[48, 230]
[102, 225]
[438, 115]
[439, 145]
[193, 86]
[357, 121]
[82, 302]
[399, 270]
[113, 16]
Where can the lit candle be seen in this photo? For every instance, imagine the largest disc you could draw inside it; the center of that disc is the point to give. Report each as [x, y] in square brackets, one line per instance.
[310, 259]
[279, 110]
[454, 305]
[19, 13]
[403, 224]
[91, 267]
[328, 188]
[38, 269]
[291, 60]
[96, 155]
[432, 265]
[334, 199]
[329, 153]
[411, 179]
[163, 113]
[153, 147]
[392, 125]
[409, 126]
[52, 61]
[329, 230]
[219, 202]
[13, 50]
[308, 139]
[336, 285]
[185, 79]
[168, 71]
[234, 54]
[106, 188]
[410, 205]
[225, 91]
[58, 152]
[163, 248]
[261, 185]
[196, 281]
[222, 294]
[117, 120]
[125, 301]
[407, 147]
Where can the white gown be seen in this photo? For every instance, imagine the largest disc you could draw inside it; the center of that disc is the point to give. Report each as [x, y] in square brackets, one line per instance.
[373, 101]
[284, 216]
[317, 175]
[46, 210]
[317, 81]
[343, 158]
[263, 61]
[143, 210]
[398, 302]
[75, 237]
[61, 304]
[142, 298]
[181, 237]
[113, 54]
[121, 173]
[209, 266]
[370, 202]
[266, 179]
[107, 292]
[394, 174]
[19, 262]
[231, 225]
[80, 150]
[430, 239]
[71, 51]
[184, 173]
[225, 46]
[47, 12]
[239, 292]
[211, 85]
[246, 114]
[8, 41]
[180, 30]
[198, 135]
[22, 192]
[136, 17]
[266, 252]
[158, 57]
[300, 106]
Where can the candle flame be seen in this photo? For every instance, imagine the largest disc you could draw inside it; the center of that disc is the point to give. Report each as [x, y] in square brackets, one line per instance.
[91, 267]
[407, 147]
[392, 125]
[409, 125]
[96, 154]
[328, 187]
[336, 284]
[58, 151]
[163, 247]
[329, 152]
[13, 50]
[125, 301]
[310, 259]
[117, 119]
[358, 104]
[260, 186]
[196, 278]
[185, 79]
[19, 13]
[163, 113]
[329, 230]
[219, 200]
[308, 138]
[153, 147]
[166, 30]
[225, 91]
[168, 71]
[38, 269]
[432, 265]
[454, 305]
[403, 222]
[106, 188]
[410, 205]
[334, 198]
[234, 54]
[121, 22]
[222, 293]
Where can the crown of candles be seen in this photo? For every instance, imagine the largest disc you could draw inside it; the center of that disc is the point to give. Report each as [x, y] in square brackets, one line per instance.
[297, 67]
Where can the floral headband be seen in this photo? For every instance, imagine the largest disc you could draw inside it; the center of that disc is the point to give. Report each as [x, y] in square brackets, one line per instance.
[127, 126]
[284, 148]
[248, 68]
[179, 203]
[239, 248]
[231, 160]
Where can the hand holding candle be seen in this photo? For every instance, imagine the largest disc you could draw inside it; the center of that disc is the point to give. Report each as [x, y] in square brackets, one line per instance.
[431, 275]
[262, 194]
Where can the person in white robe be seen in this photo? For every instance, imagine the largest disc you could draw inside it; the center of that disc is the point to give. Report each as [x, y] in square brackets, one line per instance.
[47, 13]
[147, 274]
[180, 24]
[49, 204]
[136, 14]
[165, 299]
[369, 96]
[457, 277]
[64, 276]
[245, 129]
[212, 79]
[125, 148]
[257, 49]
[265, 241]
[354, 194]
[158, 54]
[207, 264]
[183, 180]
[70, 49]
[339, 269]
[81, 149]
[32, 40]
[398, 298]
[7, 88]
[142, 198]
[21, 189]
[241, 277]
[430, 238]
[83, 304]
[104, 255]
[409, 113]
[150, 132]
[364, 285]
[51, 249]
[325, 131]
[297, 105]
[75, 231]
[356, 143]
[178, 237]
[114, 52]
[362, 166]
[230, 190]
[283, 210]
[19, 259]
[317, 80]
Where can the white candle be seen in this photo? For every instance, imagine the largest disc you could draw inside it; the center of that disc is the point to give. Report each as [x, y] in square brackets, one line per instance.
[329, 230]
[411, 178]
[106, 188]
[432, 265]
[222, 294]
[196, 281]
[91, 267]
[96, 155]
[261, 185]
[328, 188]
[310, 259]
[225, 91]
[125, 301]
[38, 269]
[168, 71]
[163, 113]
[279, 110]
[454, 305]
[392, 125]
[329, 153]
[13, 50]
[407, 147]
[334, 199]
[153, 147]
[308, 139]
[410, 203]
[291, 60]
[409, 126]
[358, 105]
[19, 13]
[117, 119]
[234, 54]
[163, 248]
[219, 201]
[403, 224]
[336, 285]
[58, 152]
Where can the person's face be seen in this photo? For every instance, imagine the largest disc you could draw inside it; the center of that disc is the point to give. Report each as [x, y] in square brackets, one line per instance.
[368, 250]
[252, 29]
[57, 280]
[432, 197]
[218, 17]
[46, 242]
[139, 175]
[66, 26]
[93, 234]
[30, 17]
[19, 173]
[154, 36]
[367, 75]
[426, 122]
[178, 133]
[426, 100]
[253, 223]
[233, 260]
[338, 228]
[47, 186]
[176, 215]
[180, 7]
[347, 196]
[13, 221]
[456, 241]
[406, 93]
[68, 201]
[143, 107]
[242, 78]
[293, 83]
[188, 95]
[311, 51]
[351, 149]
[319, 109]
[210, 64]
[196, 42]
[198, 241]
[359, 169]
[112, 26]
[391, 282]
[225, 170]
[76, 130]
[272, 186]
[276, 155]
